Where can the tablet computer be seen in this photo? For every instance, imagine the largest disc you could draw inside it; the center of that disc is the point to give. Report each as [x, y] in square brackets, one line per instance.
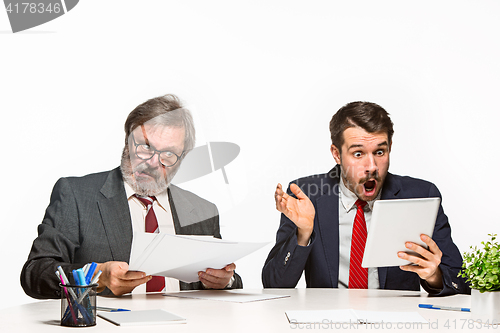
[395, 222]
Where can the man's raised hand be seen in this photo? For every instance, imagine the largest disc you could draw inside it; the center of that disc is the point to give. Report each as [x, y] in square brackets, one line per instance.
[300, 211]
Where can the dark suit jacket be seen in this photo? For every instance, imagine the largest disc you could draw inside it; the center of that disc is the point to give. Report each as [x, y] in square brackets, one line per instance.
[320, 259]
[88, 219]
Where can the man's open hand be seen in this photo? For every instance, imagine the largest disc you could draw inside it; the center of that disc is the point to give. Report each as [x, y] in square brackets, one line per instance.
[116, 276]
[300, 211]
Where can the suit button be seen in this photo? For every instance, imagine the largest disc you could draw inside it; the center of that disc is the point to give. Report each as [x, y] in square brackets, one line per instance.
[454, 285]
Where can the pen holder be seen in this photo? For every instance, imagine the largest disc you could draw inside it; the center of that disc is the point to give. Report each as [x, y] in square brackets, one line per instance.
[78, 305]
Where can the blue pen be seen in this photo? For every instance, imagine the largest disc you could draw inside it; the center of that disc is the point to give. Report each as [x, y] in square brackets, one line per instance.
[439, 307]
[81, 277]
[76, 278]
[102, 308]
[90, 273]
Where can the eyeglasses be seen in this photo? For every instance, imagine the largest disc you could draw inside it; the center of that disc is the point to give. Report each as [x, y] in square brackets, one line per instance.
[146, 152]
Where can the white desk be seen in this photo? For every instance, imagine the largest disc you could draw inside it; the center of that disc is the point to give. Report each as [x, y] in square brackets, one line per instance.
[261, 316]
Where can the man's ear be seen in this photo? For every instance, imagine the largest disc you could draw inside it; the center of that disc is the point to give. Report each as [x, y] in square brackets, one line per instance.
[335, 153]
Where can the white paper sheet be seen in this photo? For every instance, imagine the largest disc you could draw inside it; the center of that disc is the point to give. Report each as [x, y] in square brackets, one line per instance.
[322, 316]
[182, 257]
[389, 317]
[236, 296]
[142, 317]
[352, 316]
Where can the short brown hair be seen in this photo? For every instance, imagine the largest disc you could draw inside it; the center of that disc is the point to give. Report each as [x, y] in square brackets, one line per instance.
[158, 110]
[369, 116]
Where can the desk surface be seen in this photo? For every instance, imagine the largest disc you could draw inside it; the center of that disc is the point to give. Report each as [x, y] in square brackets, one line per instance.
[260, 316]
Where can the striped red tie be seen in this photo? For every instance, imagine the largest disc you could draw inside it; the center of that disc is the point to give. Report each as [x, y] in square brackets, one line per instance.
[157, 283]
[358, 276]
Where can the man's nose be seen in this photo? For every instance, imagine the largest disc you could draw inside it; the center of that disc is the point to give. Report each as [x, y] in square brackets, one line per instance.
[371, 165]
[154, 161]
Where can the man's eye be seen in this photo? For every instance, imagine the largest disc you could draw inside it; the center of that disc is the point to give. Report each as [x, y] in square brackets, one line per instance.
[168, 154]
[380, 153]
[145, 147]
[357, 154]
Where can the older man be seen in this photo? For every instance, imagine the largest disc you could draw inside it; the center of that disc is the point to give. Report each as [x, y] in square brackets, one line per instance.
[92, 218]
[323, 223]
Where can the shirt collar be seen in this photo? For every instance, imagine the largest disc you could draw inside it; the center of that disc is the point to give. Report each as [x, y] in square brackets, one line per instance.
[162, 199]
[348, 198]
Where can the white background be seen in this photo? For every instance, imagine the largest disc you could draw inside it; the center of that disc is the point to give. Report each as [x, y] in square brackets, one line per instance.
[266, 75]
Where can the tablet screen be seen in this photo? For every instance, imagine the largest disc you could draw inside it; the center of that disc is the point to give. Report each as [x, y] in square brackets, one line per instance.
[395, 222]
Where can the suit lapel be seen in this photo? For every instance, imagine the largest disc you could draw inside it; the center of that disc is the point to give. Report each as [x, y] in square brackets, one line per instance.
[183, 211]
[115, 215]
[328, 229]
[391, 189]
[327, 208]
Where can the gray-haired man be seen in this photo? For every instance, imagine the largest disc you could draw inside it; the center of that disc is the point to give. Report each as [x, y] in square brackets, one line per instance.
[92, 218]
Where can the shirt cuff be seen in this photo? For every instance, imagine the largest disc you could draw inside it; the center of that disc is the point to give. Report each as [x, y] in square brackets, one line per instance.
[429, 289]
[230, 284]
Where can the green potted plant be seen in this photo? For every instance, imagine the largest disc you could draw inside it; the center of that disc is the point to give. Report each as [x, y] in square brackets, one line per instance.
[481, 268]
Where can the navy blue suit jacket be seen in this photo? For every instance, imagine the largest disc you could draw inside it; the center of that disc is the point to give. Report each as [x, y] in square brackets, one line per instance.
[320, 260]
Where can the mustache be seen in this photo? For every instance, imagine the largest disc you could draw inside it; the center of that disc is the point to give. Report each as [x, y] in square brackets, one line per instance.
[373, 176]
[157, 172]
[145, 168]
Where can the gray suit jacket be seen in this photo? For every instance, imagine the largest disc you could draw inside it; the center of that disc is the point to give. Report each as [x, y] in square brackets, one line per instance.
[88, 219]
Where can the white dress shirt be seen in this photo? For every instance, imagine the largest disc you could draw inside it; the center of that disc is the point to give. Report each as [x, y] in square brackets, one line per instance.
[347, 213]
[138, 211]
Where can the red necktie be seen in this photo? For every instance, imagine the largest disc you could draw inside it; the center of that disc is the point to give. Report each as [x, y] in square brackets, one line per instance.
[358, 276]
[157, 283]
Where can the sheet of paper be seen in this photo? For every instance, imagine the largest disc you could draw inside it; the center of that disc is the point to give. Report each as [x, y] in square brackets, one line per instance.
[206, 237]
[372, 317]
[142, 317]
[236, 296]
[352, 316]
[321, 316]
[183, 257]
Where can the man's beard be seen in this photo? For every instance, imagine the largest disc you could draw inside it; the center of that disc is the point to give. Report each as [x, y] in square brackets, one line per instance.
[156, 185]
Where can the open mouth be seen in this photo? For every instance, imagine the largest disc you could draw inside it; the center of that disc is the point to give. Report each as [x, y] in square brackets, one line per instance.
[369, 187]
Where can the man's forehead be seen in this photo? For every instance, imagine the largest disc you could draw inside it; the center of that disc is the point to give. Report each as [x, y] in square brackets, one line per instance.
[159, 134]
[157, 130]
[357, 136]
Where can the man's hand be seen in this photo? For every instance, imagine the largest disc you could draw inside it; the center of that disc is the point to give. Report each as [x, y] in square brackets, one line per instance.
[116, 276]
[217, 278]
[300, 211]
[427, 267]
